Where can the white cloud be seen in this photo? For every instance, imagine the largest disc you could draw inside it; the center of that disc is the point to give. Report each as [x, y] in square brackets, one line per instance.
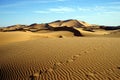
[114, 7]
[96, 8]
[56, 10]
[112, 12]
[84, 9]
[100, 8]
[41, 12]
[61, 9]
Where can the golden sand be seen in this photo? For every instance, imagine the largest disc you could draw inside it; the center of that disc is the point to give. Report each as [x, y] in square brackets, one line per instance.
[45, 56]
[60, 55]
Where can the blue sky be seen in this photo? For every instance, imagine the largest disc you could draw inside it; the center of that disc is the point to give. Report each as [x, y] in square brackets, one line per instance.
[102, 12]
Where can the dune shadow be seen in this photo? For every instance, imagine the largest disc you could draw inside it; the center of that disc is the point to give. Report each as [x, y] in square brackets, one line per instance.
[65, 28]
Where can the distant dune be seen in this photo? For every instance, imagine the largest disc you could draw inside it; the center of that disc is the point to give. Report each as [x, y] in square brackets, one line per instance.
[46, 26]
[78, 28]
[59, 50]
[69, 23]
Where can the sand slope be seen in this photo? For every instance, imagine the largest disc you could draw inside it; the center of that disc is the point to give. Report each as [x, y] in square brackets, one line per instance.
[61, 59]
[17, 36]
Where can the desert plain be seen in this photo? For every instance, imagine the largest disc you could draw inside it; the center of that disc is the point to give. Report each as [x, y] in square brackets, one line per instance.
[60, 50]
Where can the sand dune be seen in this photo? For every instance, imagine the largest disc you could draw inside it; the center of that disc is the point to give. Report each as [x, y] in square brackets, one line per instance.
[13, 37]
[17, 36]
[56, 23]
[61, 59]
[69, 23]
[60, 50]
[96, 33]
[9, 37]
[115, 33]
[72, 23]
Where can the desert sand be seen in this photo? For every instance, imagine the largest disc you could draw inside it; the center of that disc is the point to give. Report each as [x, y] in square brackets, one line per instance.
[59, 55]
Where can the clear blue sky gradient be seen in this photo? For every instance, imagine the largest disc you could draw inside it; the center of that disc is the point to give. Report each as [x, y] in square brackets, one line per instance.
[102, 12]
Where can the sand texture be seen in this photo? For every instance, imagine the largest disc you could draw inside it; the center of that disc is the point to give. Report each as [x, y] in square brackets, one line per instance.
[60, 50]
[61, 59]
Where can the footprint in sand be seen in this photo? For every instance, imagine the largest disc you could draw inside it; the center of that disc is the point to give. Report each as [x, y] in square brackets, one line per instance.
[49, 70]
[85, 52]
[56, 65]
[40, 72]
[75, 56]
[69, 60]
[90, 74]
[34, 76]
[118, 67]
